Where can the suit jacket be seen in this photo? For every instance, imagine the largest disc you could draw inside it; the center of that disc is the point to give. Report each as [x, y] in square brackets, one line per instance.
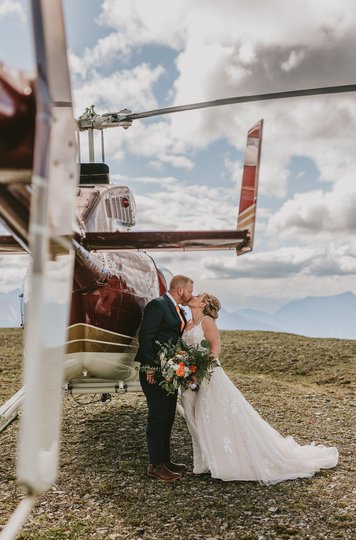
[160, 323]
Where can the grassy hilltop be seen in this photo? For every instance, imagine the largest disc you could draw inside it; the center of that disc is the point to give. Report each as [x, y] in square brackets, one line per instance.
[302, 386]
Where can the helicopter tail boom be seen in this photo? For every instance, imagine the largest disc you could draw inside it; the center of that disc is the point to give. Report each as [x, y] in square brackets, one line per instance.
[167, 240]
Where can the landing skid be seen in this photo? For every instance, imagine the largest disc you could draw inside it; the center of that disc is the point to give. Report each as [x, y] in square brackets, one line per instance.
[106, 388]
[99, 386]
[10, 409]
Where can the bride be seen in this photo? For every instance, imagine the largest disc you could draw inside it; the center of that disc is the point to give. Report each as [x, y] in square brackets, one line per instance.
[230, 439]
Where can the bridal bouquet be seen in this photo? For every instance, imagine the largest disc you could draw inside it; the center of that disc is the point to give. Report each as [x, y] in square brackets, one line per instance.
[183, 366]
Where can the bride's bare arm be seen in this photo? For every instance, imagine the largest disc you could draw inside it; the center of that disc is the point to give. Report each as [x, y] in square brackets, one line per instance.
[211, 334]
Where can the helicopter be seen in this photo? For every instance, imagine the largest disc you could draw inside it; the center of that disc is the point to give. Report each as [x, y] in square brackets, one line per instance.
[113, 276]
[91, 275]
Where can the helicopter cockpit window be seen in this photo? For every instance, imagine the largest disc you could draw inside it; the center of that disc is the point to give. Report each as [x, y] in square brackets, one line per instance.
[106, 208]
[120, 208]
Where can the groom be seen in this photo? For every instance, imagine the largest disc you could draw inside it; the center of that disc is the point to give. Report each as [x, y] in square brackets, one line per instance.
[163, 321]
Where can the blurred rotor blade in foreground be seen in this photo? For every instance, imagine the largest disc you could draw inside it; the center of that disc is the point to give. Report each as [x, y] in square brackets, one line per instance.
[51, 224]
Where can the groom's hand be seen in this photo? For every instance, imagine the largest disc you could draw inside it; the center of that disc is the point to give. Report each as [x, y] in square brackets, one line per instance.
[150, 377]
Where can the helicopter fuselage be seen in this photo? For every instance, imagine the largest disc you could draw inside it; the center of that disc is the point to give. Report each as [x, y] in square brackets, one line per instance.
[110, 290]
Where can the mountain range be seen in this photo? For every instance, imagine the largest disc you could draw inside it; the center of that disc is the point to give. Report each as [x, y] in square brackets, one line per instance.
[313, 316]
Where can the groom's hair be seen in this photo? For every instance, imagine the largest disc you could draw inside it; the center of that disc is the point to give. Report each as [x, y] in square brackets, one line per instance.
[179, 281]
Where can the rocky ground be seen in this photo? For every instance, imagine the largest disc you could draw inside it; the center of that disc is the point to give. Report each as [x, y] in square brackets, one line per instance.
[302, 386]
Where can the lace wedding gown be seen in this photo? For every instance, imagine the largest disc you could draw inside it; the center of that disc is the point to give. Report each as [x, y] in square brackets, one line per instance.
[233, 442]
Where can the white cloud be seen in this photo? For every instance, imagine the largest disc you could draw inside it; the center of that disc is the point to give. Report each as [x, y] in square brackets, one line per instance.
[318, 212]
[12, 271]
[11, 7]
[247, 54]
[228, 49]
[129, 88]
[274, 23]
[178, 206]
[290, 274]
[294, 59]
[102, 54]
[162, 181]
[142, 22]
[272, 264]
[157, 140]
[304, 263]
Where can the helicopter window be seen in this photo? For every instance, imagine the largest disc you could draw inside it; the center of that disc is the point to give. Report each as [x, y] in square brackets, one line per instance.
[108, 208]
[118, 208]
[117, 212]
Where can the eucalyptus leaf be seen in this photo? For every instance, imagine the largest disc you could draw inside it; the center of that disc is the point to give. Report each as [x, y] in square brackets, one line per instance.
[204, 343]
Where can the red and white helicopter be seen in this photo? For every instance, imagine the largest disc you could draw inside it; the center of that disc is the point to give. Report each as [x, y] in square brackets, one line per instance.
[91, 275]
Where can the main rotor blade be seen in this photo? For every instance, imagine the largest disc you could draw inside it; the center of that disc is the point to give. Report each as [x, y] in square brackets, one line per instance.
[245, 99]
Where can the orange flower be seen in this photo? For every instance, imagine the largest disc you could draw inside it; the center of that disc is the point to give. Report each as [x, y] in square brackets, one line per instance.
[193, 368]
[180, 372]
[181, 364]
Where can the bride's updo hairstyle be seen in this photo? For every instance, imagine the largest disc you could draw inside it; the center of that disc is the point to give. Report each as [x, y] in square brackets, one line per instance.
[212, 306]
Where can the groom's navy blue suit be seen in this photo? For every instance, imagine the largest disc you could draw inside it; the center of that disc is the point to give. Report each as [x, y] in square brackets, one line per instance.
[160, 323]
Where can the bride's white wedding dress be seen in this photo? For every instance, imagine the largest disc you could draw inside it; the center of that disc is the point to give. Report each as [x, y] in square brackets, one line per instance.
[233, 442]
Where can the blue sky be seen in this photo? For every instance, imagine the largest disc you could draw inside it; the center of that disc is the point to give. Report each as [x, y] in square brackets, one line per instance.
[185, 170]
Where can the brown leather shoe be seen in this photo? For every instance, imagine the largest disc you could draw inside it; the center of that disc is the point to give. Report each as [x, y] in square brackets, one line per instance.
[176, 467]
[162, 473]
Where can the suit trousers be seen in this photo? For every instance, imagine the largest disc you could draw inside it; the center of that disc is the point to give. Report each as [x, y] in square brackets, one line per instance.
[160, 418]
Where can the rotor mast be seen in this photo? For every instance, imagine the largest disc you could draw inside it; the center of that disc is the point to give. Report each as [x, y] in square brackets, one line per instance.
[90, 121]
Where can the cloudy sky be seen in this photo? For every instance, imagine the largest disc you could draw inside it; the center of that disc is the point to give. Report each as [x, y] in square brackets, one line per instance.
[185, 170]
